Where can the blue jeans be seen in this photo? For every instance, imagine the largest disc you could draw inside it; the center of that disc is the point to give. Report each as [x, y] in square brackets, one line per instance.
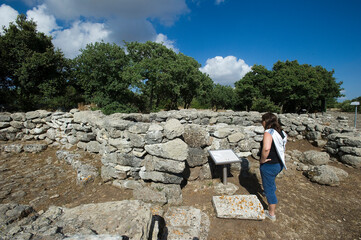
[269, 173]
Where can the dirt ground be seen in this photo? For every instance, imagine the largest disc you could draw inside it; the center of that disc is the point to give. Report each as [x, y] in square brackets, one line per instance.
[306, 210]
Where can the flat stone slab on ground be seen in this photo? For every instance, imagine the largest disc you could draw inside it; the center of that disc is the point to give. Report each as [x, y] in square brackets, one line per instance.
[239, 207]
[186, 223]
[129, 218]
[227, 189]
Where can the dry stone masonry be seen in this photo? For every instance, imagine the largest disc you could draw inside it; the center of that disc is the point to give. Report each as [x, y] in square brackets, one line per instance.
[169, 147]
[155, 154]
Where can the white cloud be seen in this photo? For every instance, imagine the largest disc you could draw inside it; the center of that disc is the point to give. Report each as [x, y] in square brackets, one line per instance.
[46, 23]
[166, 11]
[87, 21]
[225, 71]
[78, 36]
[163, 39]
[7, 15]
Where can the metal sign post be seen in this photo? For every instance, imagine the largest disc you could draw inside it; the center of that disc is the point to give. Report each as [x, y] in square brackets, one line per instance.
[355, 104]
[224, 157]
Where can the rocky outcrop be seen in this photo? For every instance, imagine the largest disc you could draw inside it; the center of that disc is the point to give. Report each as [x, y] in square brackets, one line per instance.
[128, 219]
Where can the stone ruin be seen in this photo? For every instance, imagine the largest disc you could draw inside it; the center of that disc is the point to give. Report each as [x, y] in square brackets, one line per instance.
[155, 154]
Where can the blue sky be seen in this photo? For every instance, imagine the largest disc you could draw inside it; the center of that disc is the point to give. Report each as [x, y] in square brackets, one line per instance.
[226, 36]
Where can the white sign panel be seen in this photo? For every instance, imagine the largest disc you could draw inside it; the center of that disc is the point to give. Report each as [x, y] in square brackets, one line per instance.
[223, 156]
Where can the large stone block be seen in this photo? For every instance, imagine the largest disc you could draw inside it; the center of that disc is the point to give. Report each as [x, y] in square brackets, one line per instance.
[197, 157]
[12, 212]
[35, 147]
[136, 140]
[124, 159]
[5, 117]
[121, 144]
[163, 165]
[17, 124]
[196, 136]
[236, 137]
[247, 145]
[313, 135]
[217, 143]
[93, 147]
[351, 150]
[4, 124]
[186, 223]
[12, 148]
[222, 132]
[175, 149]
[86, 173]
[139, 128]
[110, 173]
[133, 218]
[85, 136]
[239, 207]
[315, 158]
[324, 175]
[351, 160]
[161, 177]
[173, 192]
[32, 115]
[151, 195]
[154, 136]
[173, 128]
[353, 142]
[227, 189]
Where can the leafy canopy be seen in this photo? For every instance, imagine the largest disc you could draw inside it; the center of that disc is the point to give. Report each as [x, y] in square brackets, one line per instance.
[289, 87]
[31, 70]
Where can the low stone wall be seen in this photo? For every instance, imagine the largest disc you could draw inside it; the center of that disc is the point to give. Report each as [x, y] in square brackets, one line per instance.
[346, 146]
[172, 146]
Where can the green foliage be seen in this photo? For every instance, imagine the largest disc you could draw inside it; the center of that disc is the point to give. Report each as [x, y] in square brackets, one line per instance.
[250, 87]
[150, 78]
[150, 68]
[117, 107]
[346, 107]
[31, 70]
[165, 79]
[289, 87]
[222, 97]
[264, 105]
[100, 75]
[198, 103]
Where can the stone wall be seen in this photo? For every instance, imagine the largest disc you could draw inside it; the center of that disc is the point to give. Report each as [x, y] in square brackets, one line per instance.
[172, 146]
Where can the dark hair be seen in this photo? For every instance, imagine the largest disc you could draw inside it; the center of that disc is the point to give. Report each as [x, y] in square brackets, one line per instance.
[271, 122]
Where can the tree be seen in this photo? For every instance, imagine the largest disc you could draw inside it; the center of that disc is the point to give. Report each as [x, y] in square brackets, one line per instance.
[222, 97]
[187, 81]
[253, 85]
[32, 71]
[289, 87]
[100, 74]
[151, 65]
[346, 106]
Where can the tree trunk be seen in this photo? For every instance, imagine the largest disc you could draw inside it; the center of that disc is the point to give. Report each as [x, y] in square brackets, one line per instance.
[281, 108]
[323, 105]
[151, 99]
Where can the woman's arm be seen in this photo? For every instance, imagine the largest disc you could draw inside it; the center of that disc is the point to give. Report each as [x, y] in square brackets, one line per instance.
[267, 143]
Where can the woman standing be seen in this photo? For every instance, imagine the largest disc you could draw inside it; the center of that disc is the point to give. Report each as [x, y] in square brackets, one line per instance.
[272, 159]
